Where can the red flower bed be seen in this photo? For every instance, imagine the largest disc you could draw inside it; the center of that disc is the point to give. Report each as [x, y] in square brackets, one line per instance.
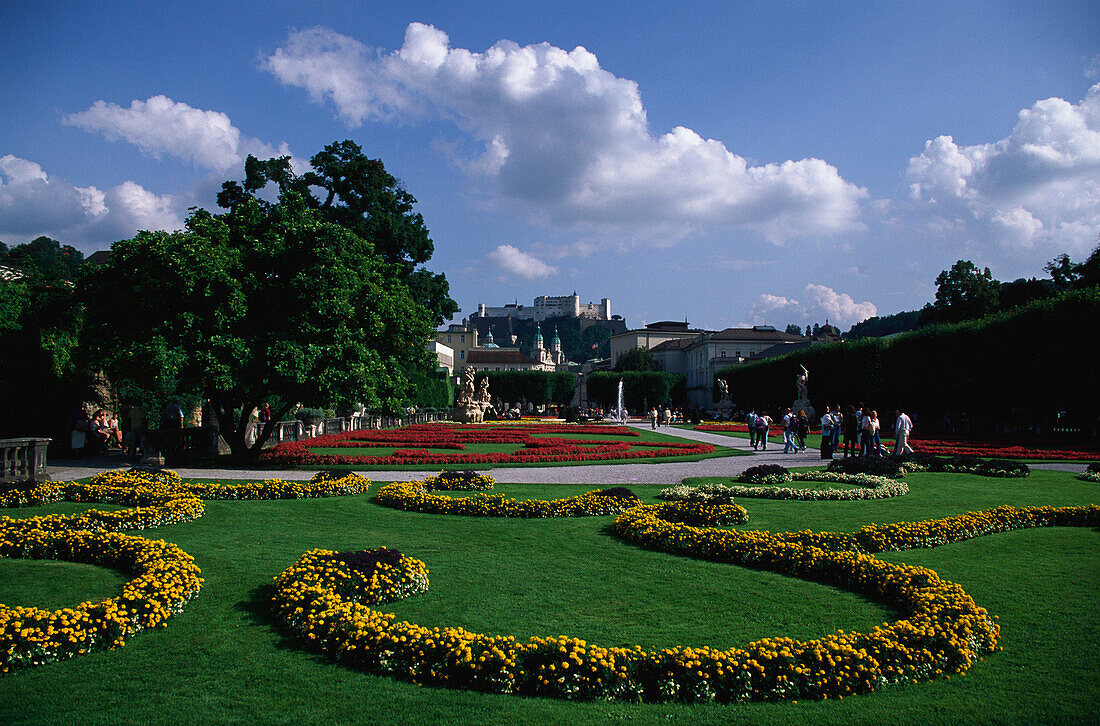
[995, 450]
[436, 436]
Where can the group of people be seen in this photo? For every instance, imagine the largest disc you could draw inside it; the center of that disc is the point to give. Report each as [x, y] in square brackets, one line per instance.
[859, 427]
[861, 431]
[664, 416]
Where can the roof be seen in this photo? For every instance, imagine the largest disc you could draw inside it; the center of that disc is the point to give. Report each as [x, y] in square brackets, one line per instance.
[781, 349]
[499, 357]
[758, 333]
[674, 344]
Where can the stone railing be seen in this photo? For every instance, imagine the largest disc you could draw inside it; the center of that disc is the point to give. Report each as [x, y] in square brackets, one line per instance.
[295, 430]
[23, 459]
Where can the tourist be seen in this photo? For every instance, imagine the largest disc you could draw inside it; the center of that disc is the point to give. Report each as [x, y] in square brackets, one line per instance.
[763, 423]
[653, 417]
[851, 432]
[666, 417]
[838, 424]
[861, 414]
[172, 417]
[114, 431]
[871, 439]
[98, 433]
[826, 431]
[790, 426]
[803, 428]
[750, 422]
[902, 426]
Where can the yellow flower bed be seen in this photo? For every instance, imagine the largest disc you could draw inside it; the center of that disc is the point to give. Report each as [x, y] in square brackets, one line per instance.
[944, 630]
[166, 577]
[414, 496]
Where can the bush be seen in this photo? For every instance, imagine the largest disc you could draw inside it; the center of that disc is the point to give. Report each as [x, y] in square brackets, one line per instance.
[569, 414]
[765, 475]
[874, 465]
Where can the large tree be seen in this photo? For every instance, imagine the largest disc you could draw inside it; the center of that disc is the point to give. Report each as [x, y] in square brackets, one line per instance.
[269, 302]
[349, 189]
[963, 293]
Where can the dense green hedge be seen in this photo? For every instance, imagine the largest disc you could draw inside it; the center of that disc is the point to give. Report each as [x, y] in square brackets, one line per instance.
[640, 388]
[1019, 365]
[432, 391]
[533, 386]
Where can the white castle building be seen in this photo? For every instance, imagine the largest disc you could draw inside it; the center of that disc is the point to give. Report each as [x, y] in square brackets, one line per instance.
[547, 306]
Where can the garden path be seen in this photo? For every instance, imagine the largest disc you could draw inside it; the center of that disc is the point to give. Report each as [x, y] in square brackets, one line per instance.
[664, 473]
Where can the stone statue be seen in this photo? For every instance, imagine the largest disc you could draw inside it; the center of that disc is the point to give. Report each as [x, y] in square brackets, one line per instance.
[800, 381]
[803, 400]
[723, 410]
[471, 401]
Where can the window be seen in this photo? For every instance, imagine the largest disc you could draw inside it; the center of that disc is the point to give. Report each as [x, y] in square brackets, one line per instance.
[448, 339]
[462, 339]
[461, 354]
[723, 354]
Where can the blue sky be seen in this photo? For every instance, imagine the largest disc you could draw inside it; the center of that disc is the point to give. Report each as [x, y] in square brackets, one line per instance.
[732, 163]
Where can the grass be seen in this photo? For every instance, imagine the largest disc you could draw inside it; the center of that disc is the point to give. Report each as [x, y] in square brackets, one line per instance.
[223, 660]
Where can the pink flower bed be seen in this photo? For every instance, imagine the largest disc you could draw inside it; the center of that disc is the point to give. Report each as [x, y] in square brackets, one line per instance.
[441, 436]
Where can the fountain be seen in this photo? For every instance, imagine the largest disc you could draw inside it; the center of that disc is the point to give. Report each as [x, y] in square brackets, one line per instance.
[620, 410]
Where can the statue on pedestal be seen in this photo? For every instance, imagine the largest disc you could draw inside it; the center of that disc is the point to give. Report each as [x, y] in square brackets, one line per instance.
[723, 411]
[802, 402]
[471, 401]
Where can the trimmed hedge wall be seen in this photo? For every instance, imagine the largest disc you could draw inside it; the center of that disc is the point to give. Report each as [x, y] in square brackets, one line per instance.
[1020, 366]
[640, 388]
[537, 387]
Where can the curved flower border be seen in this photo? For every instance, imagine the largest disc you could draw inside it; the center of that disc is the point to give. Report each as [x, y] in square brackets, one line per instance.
[872, 487]
[165, 579]
[944, 630]
[416, 496]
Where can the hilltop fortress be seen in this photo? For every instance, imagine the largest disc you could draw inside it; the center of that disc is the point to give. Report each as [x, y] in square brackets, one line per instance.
[546, 306]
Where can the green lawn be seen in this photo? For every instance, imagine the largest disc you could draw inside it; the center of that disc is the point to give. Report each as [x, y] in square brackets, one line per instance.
[223, 660]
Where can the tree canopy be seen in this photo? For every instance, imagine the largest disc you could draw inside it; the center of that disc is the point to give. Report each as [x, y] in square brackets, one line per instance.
[963, 293]
[636, 359]
[269, 302]
[357, 193]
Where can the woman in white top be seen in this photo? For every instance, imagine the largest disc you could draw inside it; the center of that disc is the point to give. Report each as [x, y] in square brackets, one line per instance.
[873, 434]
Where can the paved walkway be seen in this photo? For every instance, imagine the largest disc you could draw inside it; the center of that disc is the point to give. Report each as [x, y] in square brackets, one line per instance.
[664, 473]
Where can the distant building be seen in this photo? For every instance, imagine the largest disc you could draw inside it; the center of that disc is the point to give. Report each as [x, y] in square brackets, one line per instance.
[545, 306]
[698, 355]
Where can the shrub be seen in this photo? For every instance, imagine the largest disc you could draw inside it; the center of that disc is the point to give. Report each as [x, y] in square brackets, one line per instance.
[765, 475]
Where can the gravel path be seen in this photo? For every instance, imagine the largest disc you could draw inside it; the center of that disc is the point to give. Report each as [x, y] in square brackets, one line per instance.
[664, 473]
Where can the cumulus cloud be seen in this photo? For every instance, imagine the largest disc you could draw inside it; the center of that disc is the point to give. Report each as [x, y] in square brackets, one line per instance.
[818, 303]
[1040, 185]
[513, 261]
[160, 126]
[567, 138]
[34, 203]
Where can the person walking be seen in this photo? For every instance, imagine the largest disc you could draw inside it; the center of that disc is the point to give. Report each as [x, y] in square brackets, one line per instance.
[653, 417]
[902, 426]
[788, 434]
[802, 428]
[750, 421]
[763, 423]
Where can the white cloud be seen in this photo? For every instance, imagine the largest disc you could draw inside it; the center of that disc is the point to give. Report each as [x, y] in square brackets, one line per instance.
[513, 261]
[1040, 185]
[567, 138]
[160, 125]
[33, 203]
[818, 304]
